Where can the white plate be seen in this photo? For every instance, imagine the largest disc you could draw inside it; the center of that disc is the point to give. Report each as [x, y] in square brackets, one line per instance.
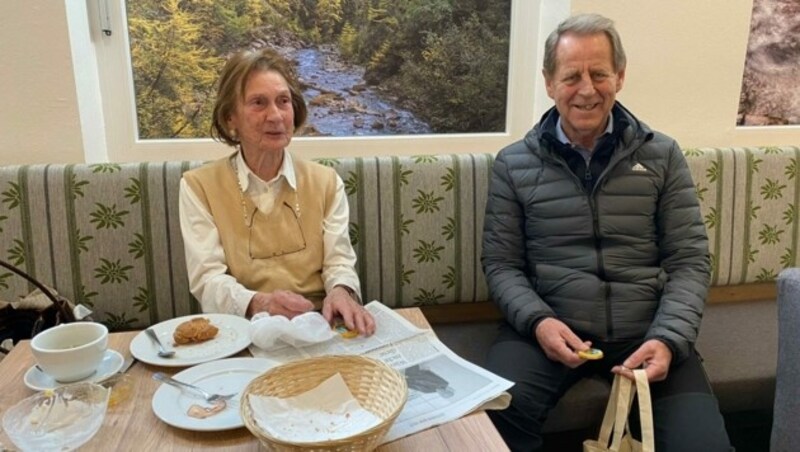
[109, 365]
[233, 337]
[225, 376]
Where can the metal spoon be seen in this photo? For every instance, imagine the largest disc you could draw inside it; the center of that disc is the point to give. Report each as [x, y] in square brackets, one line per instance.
[162, 352]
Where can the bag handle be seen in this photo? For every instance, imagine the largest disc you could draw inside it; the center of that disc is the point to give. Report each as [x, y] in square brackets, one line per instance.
[615, 418]
[607, 425]
[624, 401]
[645, 411]
[617, 409]
[65, 313]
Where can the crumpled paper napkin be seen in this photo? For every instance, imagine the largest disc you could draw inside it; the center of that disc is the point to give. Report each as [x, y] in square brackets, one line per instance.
[271, 331]
[327, 412]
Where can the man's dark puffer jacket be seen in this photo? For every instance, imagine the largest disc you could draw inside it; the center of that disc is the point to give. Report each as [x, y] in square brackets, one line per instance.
[626, 261]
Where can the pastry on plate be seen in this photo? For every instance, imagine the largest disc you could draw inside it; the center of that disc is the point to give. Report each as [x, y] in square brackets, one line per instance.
[196, 330]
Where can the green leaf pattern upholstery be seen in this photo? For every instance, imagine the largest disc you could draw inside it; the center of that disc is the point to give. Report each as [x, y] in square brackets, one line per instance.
[107, 235]
[749, 199]
[416, 226]
[712, 172]
[766, 194]
[103, 235]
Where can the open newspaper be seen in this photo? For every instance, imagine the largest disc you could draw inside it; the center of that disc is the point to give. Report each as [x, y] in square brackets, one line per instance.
[441, 385]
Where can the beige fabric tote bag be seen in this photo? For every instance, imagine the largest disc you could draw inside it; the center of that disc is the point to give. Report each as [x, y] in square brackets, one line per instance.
[615, 419]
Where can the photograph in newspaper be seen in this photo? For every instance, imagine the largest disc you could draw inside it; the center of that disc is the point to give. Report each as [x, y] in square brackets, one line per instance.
[441, 385]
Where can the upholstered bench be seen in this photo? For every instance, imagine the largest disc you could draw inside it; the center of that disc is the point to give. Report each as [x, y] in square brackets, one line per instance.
[107, 235]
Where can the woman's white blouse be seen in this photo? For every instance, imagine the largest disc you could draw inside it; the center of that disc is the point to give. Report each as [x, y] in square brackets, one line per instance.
[209, 282]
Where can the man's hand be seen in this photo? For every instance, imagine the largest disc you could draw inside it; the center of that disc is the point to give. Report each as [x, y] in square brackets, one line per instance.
[654, 356]
[280, 302]
[338, 302]
[560, 343]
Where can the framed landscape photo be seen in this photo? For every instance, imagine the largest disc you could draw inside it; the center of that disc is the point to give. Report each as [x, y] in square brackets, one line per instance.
[770, 94]
[379, 76]
[366, 68]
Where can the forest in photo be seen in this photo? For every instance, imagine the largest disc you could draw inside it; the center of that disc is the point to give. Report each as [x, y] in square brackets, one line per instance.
[367, 67]
[772, 67]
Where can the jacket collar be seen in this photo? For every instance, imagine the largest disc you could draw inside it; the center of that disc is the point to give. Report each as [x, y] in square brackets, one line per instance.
[627, 129]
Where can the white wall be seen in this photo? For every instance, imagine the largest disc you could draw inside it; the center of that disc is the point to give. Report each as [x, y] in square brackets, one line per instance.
[684, 75]
[39, 120]
[685, 62]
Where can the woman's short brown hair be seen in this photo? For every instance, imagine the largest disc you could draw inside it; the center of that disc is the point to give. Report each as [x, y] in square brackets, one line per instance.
[232, 84]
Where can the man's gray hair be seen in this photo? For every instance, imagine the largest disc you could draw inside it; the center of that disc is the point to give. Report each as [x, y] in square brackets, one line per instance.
[582, 25]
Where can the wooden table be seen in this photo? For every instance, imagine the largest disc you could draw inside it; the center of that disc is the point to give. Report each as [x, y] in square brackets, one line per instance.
[133, 426]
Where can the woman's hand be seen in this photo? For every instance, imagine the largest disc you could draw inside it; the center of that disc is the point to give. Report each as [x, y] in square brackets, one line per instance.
[340, 303]
[279, 302]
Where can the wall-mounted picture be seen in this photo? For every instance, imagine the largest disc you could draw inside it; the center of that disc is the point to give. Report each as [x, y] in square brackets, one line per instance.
[367, 67]
[771, 82]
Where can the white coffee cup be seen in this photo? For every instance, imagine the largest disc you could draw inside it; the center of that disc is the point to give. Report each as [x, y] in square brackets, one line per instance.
[70, 351]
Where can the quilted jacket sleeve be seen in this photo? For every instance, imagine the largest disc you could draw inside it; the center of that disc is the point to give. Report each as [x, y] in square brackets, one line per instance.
[503, 257]
[683, 245]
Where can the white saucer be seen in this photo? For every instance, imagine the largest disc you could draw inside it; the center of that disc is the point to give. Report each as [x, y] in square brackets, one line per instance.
[39, 381]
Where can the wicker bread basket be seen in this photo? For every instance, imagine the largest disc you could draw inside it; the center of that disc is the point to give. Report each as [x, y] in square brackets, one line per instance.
[377, 387]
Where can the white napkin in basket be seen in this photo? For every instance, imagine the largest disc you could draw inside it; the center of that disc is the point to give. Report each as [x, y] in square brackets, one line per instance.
[327, 412]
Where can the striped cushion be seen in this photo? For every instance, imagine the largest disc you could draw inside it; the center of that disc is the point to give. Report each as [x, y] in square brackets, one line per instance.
[712, 171]
[107, 235]
[416, 225]
[765, 213]
[104, 235]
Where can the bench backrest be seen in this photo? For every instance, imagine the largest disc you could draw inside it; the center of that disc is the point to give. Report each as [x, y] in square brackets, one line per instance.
[107, 235]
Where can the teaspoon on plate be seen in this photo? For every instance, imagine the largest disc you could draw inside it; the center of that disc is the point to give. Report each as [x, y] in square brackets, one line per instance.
[162, 352]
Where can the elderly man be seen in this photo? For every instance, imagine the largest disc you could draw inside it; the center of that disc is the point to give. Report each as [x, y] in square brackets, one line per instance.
[593, 238]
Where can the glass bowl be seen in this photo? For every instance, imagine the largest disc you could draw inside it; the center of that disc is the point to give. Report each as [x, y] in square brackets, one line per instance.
[60, 419]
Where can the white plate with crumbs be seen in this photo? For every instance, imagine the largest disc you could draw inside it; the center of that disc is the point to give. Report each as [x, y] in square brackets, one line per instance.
[225, 376]
[233, 336]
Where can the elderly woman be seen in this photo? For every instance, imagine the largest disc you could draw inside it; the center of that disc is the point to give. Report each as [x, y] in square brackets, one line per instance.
[263, 230]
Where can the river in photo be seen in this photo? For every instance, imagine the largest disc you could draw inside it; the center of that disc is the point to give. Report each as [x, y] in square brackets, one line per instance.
[340, 103]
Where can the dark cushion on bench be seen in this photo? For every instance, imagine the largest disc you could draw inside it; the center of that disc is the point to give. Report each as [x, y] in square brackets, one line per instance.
[738, 343]
[739, 346]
